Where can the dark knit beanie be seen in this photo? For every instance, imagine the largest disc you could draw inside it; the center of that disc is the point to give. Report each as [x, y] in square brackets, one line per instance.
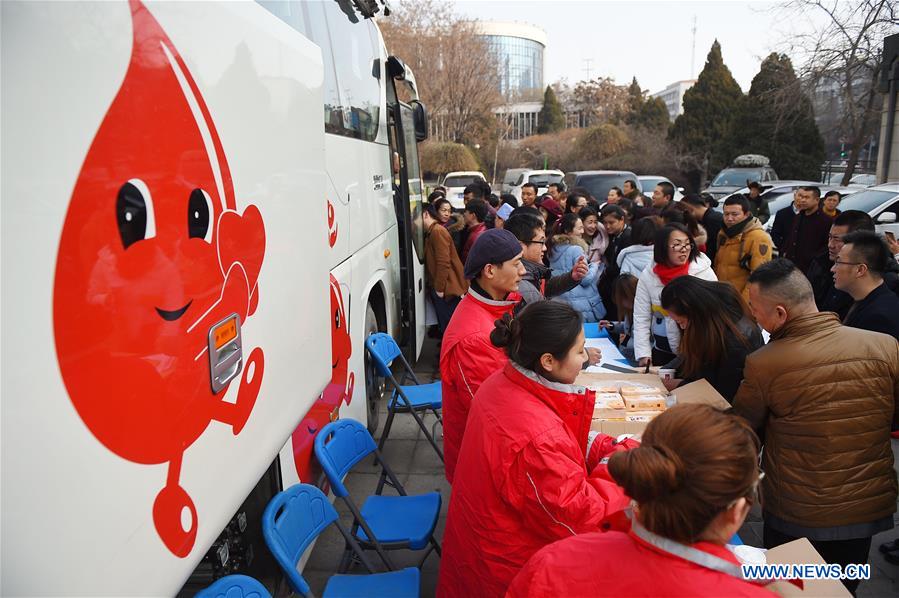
[492, 247]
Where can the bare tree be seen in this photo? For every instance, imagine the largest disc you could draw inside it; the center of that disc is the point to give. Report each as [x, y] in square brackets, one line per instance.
[601, 100]
[843, 50]
[457, 75]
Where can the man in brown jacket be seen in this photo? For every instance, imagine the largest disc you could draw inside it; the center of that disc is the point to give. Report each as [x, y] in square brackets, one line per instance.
[822, 397]
[445, 274]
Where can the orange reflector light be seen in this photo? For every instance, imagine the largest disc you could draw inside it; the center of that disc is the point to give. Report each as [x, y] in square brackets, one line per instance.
[225, 332]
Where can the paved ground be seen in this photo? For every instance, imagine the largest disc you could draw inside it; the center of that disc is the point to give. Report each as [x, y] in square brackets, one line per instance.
[413, 459]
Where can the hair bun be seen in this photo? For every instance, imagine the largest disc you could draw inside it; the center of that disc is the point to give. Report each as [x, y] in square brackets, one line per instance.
[504, 330]
[647, 473]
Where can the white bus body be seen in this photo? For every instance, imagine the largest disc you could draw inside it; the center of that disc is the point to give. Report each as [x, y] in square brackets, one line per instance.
[181, 236]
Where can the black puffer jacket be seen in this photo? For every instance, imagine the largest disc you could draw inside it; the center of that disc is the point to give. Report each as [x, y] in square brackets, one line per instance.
[824, 395]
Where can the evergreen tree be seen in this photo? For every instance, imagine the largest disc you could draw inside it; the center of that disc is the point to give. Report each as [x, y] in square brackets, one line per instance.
[634, 98]
[709, 106]
[777, 120]
[652, 115]
[551, 117]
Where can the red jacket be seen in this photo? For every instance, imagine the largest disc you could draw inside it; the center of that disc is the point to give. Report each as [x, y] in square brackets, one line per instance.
[467, 358]
[522, 481]
[619, 563]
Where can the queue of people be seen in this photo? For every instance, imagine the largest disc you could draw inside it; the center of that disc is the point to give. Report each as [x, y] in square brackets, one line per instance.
[538, 501]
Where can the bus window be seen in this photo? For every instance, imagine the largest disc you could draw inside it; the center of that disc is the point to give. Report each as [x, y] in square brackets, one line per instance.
[354, 57]
[414, 174]
[308, 18]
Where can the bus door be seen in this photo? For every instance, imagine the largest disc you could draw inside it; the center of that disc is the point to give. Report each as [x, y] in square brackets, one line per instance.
[408, 199]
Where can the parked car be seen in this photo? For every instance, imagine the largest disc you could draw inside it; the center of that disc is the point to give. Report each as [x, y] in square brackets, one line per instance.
[881, 202]
[648, 183]
[598, 182]
[455, 183]
[745, 169]
[863, 180]
[516, 177]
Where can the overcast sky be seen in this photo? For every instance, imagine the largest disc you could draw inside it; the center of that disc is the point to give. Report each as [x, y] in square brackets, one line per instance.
[651, 40]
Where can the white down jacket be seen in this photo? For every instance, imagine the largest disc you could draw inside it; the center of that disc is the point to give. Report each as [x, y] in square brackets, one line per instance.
[649, 317]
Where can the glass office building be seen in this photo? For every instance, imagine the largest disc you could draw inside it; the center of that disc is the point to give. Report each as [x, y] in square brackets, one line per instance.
[519, 50]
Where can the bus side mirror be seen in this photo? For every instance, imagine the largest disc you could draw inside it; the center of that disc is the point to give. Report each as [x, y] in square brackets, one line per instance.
[420, 118]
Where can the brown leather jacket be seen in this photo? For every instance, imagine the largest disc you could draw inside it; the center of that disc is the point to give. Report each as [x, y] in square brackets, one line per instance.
[442, 264]
[824, 395]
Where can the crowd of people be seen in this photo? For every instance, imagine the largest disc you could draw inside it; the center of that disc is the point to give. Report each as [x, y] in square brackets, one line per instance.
[540, 504]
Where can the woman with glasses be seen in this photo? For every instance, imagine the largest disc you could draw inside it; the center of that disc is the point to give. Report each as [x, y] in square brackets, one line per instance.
[717, 333]
[692, 481]
[656, 336]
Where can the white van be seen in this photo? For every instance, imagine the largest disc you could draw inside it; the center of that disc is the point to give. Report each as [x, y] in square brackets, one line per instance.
[516, 177]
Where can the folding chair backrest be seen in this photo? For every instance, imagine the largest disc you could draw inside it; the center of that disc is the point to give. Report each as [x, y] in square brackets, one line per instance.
[291, 522]
[383, 350]
[235, 586]
[338, 447]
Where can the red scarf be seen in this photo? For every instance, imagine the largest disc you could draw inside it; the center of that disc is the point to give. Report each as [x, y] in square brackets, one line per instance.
[668, 273]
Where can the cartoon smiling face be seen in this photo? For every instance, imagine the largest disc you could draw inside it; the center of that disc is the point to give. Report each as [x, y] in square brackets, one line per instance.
[152, 254]
[339, 390]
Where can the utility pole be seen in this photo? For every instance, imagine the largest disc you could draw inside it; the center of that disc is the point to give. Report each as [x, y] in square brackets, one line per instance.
[693, 51]
[587, 68]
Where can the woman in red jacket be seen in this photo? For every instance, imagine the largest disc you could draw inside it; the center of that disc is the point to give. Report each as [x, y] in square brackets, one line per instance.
[693, 481]
[523, 477]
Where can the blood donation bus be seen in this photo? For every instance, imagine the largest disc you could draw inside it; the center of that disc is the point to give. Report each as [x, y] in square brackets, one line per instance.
[196, 198]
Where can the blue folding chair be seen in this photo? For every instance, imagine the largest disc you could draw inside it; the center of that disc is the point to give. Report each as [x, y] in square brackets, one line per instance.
[393, 522]
[294, 519]
[235, 586]
[414, 398]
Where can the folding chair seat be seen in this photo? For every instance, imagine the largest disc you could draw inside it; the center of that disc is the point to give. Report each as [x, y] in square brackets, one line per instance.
[294, 519]
[392, 522]
[234, 586]
[416, 399]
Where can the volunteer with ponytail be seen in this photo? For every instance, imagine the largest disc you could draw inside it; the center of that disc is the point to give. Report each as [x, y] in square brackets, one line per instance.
[528, 472]
[693, 481]
[675, 254]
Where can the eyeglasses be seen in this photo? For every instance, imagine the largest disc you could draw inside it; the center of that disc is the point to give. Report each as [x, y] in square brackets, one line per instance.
[680, 247]
[838, 262]
[543, 242]
[752, 496]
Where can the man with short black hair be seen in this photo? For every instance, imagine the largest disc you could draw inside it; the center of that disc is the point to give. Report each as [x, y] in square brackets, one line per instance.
[474, 215]
[555, 189]
[858, 270]
[758, 206]
[808, 234]
[528, 195]
[630, 189]
[827, 296]
[662, 196]
[743, 245]
[467, 357]
[822, 395]
[473, 191]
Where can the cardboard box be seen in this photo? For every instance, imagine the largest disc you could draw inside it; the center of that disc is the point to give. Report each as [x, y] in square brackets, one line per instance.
[610, 421]
[800, 552]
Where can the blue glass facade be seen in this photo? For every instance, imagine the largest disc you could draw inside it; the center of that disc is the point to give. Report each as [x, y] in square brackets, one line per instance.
[520, 61]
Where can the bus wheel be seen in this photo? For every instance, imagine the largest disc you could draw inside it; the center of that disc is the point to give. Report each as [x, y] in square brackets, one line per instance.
[374, 384]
